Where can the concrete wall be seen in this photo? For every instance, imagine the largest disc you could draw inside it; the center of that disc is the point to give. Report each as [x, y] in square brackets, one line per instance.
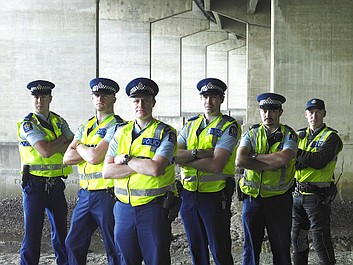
[313, 57]
[299, 48]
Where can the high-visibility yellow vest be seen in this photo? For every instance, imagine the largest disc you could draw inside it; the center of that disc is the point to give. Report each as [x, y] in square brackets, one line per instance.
[268, 183]
[138, 189]
[316, 175]
[91, 177]
[41, 166]
[194, 180]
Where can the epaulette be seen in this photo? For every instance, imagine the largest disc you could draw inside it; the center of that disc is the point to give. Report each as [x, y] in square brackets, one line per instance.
[28, 117]
[289, 128]
[118, 119]
[302, 129]
[194, 118]
[332, 129]
[228, 118]
[118, 125]
[255, 126]
[55, 114]
[91, 118]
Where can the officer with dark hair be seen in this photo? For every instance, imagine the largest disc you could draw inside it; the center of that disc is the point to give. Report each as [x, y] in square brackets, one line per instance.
[43, 138]
[95, 203]
[319, 147]
[206, 153]
[141, 160]
[267, 152]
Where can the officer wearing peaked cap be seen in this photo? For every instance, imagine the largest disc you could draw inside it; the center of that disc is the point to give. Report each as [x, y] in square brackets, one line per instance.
[141, 86]
[141, 160]
[316, 159]
[267, 152]
[87, 151]
[206, 153]
[40, 87]
[43, 138]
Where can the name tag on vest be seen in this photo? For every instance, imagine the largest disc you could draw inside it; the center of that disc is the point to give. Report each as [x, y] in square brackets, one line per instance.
[101, 132]
[151, 142]
[215, 131]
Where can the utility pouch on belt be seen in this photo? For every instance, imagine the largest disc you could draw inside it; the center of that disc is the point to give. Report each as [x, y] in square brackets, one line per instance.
[227, 192]
[239, 174]
[25, 175]
[330, 194]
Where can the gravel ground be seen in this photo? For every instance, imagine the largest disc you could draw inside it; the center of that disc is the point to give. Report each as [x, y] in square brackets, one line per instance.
[11, 228]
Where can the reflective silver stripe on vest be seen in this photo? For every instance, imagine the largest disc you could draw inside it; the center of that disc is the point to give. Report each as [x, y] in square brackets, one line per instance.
[219, 127]
[157, 134]
[317, 184]
[143, 192]
[46, 167]
[256, 185]
[208, 178]
[96, 175]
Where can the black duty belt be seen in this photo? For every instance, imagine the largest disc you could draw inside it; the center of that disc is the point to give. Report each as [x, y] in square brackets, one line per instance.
[105, 190]
[52, 180]
[308, 188]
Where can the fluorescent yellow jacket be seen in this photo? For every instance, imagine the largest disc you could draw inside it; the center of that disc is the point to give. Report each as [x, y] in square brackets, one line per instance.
[138, 189]
[316, 175]
[91, 175]
[268, 183]
[194, 180]
[40, 166]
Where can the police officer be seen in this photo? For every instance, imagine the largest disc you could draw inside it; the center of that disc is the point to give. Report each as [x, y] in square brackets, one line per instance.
[319, 146]
[141, 160]
[95, 203]
[267, 152]
[43, 138]
[206, 153]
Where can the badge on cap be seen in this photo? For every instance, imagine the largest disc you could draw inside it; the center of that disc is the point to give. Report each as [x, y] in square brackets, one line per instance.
[211, 86]
[104, 86]
[40, 87]
[141, 86]
[270, 100]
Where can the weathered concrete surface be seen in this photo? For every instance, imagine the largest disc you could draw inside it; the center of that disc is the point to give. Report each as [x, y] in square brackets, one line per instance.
[301, 49]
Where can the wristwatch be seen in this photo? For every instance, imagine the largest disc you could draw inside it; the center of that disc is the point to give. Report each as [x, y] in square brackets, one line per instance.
[194, 154]
[127, 158]
[254, 156]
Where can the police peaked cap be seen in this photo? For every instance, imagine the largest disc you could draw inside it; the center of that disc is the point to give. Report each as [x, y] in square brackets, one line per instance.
[270, 100]
[40, 87]
[141, 86]
[104, 86]
[211, 86]
[315, 103]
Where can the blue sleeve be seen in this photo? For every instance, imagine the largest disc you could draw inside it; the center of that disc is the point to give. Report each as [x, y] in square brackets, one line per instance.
[245, 140]
[31, 133]
[182, 137]
[228, 140]
[110, 133]
[65, 129]
[291, 142]
[113, 147]
[79, 133]
[166, 148]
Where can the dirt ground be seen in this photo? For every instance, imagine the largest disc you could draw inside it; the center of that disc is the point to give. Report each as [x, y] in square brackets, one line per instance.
[11, 229]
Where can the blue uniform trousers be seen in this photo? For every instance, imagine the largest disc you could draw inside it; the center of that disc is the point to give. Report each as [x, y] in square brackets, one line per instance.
[142, 233]
[274, 214]
[310, 213]
[93, 209]
[37, 198]
[206, 224]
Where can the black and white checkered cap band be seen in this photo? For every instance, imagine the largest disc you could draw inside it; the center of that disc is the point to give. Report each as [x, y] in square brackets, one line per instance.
[100, 86]
[210, 87]
[40, 87]
[141, 87]
[270, 101]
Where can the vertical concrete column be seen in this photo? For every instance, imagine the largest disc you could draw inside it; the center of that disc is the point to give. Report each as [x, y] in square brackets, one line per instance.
[125, 42]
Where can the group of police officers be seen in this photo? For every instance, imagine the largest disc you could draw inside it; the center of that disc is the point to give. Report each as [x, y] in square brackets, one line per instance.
[128, 187]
